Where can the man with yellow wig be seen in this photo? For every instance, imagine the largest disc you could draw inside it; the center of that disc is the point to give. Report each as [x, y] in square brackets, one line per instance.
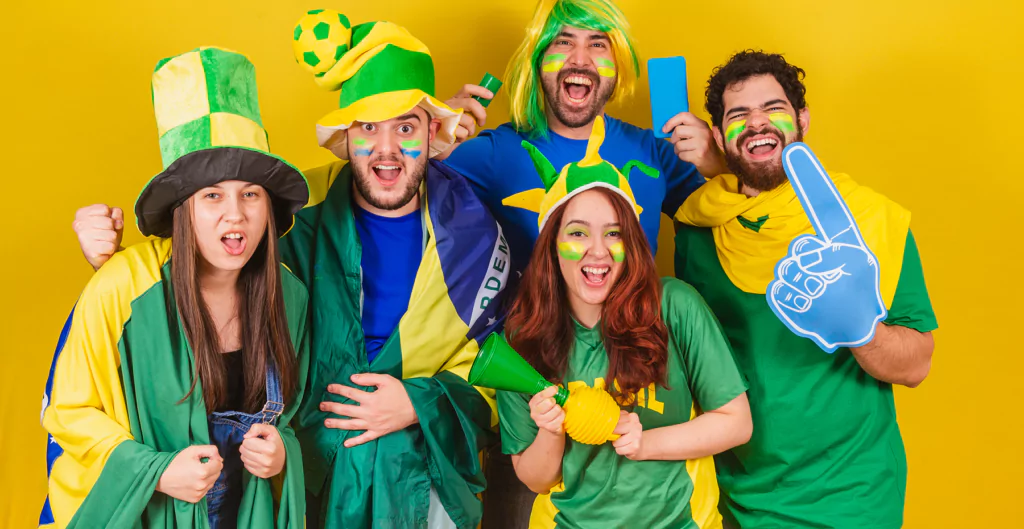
[578, 56]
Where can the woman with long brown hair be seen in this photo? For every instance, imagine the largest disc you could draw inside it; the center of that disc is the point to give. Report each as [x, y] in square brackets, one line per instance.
[181, 365]
[591, 310]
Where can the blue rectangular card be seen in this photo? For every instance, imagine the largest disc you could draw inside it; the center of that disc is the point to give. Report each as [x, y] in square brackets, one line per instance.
[667, 79]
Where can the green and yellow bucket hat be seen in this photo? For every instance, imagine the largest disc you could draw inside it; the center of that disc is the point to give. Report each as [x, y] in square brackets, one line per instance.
[210, 129]
[381, 70]
[576, 177]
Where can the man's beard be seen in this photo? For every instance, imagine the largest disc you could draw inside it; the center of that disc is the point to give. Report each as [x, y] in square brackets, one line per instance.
[601, 92]
[363, 177]
[763, 176]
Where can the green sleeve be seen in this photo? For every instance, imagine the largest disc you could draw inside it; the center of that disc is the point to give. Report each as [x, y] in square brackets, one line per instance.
[911, 306]
[517, 428]
[699, 339]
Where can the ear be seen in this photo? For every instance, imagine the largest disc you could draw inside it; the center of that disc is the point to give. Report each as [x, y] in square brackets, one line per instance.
[435, 126]
[805, 119]
[716, 131]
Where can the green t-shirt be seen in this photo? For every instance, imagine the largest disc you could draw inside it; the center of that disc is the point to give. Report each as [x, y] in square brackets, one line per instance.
[602, 489]
[826, 449]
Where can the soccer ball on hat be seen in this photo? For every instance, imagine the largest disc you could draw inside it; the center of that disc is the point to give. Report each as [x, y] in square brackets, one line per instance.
[320, 38]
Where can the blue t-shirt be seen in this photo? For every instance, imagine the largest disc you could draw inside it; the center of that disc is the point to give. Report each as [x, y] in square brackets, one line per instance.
[498, 166]
[392, 250]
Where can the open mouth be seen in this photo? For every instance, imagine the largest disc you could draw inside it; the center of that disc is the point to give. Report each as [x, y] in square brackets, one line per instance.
[577, 89]
[762, 146]
[387, 173]
[234, 243]
[595, 275]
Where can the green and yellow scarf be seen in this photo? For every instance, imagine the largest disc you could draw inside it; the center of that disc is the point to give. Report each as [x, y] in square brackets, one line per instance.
[753, 234]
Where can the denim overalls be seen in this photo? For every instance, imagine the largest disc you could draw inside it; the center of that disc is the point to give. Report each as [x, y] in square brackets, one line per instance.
[226, 431]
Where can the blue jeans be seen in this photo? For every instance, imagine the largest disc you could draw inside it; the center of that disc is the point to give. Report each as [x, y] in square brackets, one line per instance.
[226, 431]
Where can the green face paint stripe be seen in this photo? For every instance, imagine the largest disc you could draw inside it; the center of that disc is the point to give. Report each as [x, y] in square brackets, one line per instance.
[734, 129]
[570, 250]
[359, 141]
[782, 121]
[607, 63]
[618, 252]
[412, 143]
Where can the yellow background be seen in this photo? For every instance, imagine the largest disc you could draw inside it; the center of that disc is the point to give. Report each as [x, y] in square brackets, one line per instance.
[919, 99]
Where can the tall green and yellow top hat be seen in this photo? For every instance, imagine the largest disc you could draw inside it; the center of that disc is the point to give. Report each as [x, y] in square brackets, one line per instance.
[576, 177]
[381, 70]
[210, 130]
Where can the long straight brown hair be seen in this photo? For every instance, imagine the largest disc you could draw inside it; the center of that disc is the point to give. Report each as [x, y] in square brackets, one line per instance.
[540, 324]
[264, 327]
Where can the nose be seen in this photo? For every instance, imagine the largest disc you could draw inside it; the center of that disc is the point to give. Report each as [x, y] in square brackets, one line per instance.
[578, 58]
[387, 143]
[233, 209]
[599, 248]
[757, 119]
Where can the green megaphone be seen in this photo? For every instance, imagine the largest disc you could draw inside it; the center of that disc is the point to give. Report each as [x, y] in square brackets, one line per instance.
[499, 366]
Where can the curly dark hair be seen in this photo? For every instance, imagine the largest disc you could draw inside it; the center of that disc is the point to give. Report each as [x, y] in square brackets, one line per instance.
[745, 65]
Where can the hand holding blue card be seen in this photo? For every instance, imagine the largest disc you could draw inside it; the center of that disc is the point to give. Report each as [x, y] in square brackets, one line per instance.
[667, 80]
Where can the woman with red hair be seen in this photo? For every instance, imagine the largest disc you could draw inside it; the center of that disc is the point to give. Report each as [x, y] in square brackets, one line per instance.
[592, 310]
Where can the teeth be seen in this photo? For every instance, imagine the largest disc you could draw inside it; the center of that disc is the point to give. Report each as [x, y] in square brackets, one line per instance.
[596, 270]
[579, 79]
[763, 141]
[387, 167]
[233, 236]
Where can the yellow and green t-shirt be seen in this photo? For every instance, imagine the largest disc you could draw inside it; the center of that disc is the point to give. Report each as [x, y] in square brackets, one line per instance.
[826, 449]
[603, 489]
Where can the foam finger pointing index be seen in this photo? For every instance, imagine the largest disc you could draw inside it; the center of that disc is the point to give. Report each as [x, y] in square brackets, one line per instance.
[818, 195]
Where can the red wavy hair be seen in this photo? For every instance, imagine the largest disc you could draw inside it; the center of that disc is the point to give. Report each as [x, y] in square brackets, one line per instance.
[540, 324]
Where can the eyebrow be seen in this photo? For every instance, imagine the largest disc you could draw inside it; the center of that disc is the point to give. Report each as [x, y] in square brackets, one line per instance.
[577, 221]
[735, 110]
[409, 116]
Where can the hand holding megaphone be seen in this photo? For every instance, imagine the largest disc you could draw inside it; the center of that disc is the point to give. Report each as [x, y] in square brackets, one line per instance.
[590, 413]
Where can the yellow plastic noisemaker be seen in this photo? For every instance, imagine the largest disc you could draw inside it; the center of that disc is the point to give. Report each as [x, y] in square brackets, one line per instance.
[590, 413]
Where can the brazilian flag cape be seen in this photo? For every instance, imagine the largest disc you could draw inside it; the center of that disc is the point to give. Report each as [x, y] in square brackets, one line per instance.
[454, 304]
[112, 409]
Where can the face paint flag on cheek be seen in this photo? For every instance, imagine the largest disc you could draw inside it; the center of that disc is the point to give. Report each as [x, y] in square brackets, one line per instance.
[553, 62]
[571, 250]
[618, 252]
[782, 121]
[605, 67]
[362, 147]
[827, 288]
[735, 129]
[412, 148]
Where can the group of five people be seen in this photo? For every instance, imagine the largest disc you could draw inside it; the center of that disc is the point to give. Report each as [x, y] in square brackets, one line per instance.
[272, 360]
